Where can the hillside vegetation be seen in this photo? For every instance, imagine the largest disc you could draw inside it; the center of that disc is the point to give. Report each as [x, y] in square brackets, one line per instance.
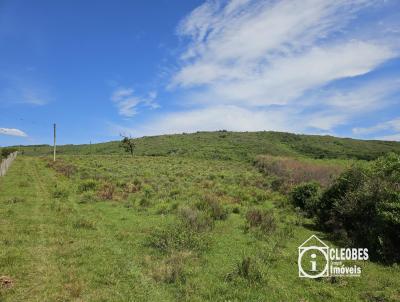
[214, 216]
[108, 228]
[236, 146]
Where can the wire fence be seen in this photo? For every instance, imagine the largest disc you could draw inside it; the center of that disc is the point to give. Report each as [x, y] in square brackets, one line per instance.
[6, 163]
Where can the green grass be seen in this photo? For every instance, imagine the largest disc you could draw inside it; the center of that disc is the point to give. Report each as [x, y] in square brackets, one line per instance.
[242, 146]
[61, 240]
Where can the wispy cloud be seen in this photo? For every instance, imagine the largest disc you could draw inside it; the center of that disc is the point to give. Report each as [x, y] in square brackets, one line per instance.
[331, 107]
[25, 95]
[298, 66]
[13, 132]
[393, 124]
[127, 102]
[391, 137]
[34, 96]
[256, 54]
[24, 89]
[287, 78]
[211, 118]
[266, 52]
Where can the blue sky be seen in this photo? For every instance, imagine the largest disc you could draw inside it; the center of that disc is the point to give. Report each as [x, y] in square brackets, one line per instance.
[104, 68]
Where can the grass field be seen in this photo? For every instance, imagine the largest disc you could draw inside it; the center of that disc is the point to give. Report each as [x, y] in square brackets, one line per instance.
[160, 228]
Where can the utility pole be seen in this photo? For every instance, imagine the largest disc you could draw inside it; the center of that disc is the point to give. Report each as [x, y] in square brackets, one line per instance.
[54, 158]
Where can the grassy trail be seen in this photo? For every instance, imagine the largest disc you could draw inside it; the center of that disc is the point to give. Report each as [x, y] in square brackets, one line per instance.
[46, 267]
[56, 250]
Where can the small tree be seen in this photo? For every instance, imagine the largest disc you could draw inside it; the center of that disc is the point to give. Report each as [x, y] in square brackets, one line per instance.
[128, 144]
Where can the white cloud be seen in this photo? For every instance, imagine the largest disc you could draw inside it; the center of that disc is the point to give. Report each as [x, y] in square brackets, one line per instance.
[265, 52]
[127, 102]
[13, 132]
[392, 137]
[392, 125]
[232, 118]
[253, 54]
[272, 65]
[288, 78]
[305, 116]
[121, 93]
[341, 106]
[208, 119]
[246, 30]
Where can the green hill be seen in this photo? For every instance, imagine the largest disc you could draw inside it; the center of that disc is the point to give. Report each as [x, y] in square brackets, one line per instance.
[236, 146]
[185, 226]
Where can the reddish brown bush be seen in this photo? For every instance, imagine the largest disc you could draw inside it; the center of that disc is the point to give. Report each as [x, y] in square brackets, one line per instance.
[254, 217]
[291, 172]
[62, 167]
[264, 219]
[107, 191]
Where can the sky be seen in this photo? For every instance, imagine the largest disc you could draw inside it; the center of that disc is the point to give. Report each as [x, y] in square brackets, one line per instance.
[102, 69]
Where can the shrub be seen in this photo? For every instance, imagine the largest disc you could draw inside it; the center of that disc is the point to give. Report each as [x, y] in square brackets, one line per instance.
[363, 206]
[87, 185]
[278, 184]
[60, 193]
[264, 220]
[132, 187]
[195, 220]
[288, 172]
[107, 191]
[259, 197]
[87, 197]
[5, 152]
[306, 197]
[254, 217]
[83, 223]
[144, 202]
[177, 237]
[171, 270]
[63, 168]
[247, 269]
[213, 207]
[236, 209]
[162, 208]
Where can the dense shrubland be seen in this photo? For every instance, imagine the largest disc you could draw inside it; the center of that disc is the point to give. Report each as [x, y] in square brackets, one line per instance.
[361, 207]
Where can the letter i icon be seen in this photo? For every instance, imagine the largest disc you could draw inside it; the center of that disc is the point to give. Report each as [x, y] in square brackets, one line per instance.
[313, 263]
